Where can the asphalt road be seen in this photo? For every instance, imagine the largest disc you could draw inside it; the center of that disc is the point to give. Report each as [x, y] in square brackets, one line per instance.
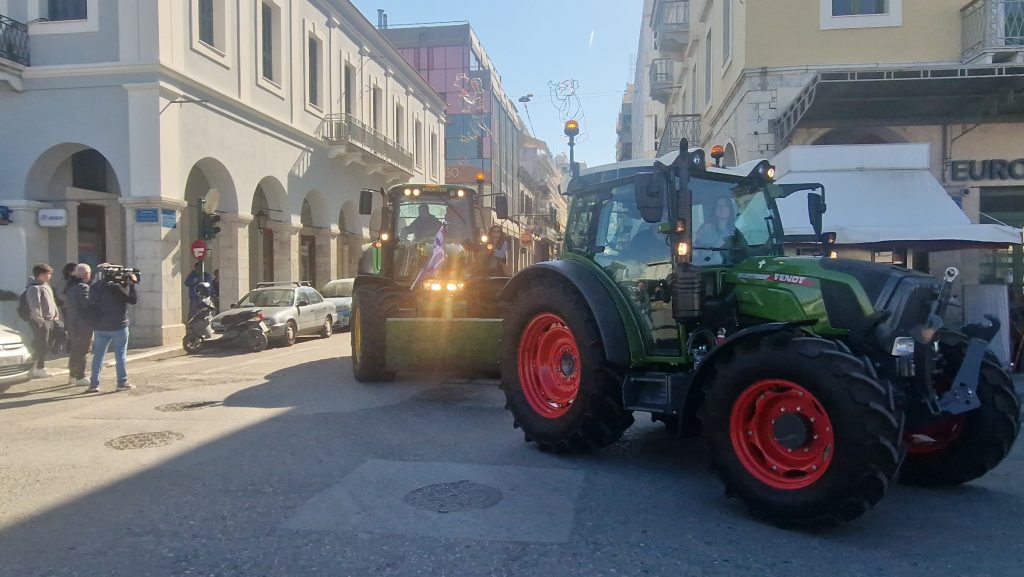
[287, 467]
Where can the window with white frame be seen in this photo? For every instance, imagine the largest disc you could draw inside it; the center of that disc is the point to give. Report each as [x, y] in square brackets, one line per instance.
[62, 16]
[314, 69]
[841, 14]
[348, 87]
[708, 76]
[433, 154]
[376, 105]
[210, 30]
[726, 31]
[269, 41]
[418, 143]
[399, 125]
[63, 10]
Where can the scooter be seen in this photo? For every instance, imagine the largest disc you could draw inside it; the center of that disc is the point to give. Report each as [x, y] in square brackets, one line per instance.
[246, 327]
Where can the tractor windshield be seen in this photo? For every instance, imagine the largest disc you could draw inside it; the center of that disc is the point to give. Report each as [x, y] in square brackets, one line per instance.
[732, 220]
[418, 222]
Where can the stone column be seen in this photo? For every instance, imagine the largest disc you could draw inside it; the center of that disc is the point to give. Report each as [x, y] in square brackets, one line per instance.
[286, 251]
[23, 243]
[326, 255]
[233, 242]
[155, 250]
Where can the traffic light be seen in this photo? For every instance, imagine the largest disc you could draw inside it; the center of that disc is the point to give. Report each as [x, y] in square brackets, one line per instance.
[208, 228]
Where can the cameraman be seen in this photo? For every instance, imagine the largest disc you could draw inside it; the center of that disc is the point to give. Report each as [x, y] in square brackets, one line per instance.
[109, 299]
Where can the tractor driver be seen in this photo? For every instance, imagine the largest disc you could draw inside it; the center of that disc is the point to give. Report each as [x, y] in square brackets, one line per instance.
[718, 241]
[423, 227]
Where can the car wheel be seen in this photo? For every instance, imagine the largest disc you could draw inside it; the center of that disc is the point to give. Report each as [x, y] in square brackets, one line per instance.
[328, 329]
[290, 332]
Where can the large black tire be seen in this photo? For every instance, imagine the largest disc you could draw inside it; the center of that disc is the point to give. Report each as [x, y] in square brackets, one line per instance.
[837, 467]
[371, 307]
[980, 439]
[592, 417]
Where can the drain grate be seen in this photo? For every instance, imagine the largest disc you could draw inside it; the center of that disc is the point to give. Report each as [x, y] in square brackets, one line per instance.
[192, 406]
[454, 497]
[144, 440]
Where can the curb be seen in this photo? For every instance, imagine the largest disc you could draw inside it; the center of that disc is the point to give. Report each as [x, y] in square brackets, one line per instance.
[153, 355]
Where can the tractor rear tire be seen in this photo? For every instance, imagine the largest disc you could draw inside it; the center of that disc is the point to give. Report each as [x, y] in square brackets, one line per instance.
[972, 444]
[557, 382]
[800, 431]
[371, 307]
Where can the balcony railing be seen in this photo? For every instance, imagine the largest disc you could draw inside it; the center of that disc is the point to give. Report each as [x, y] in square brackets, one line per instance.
[992, 26]
[679, 126]
[341, 129]
[13, 41]
[672, 26]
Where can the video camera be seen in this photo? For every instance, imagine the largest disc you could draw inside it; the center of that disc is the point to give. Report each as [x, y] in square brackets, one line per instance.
[118, 274]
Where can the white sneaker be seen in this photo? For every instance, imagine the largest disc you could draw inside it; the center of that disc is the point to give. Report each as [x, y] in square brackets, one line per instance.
[84, 381]
[39, 374]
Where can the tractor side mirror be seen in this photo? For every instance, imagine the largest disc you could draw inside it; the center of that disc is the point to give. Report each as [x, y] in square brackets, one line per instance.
[501, 206]
[650, 196]
[815, 210]
[365, 202]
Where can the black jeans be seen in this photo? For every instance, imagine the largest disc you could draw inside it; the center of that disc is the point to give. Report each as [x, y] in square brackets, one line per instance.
[79, 342]
[40, 342]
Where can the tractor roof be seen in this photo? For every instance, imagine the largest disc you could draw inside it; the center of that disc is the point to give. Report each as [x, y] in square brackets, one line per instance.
[740, 171]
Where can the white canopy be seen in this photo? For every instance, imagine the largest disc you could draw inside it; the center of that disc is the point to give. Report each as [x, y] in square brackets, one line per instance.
[879, 193]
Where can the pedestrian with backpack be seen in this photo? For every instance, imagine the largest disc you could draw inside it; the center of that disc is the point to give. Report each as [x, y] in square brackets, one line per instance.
[38, 307]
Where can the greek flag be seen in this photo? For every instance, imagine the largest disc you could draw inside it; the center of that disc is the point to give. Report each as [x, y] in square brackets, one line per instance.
[436, 258]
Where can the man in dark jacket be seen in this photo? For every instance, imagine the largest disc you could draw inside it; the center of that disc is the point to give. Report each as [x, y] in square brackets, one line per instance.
[78, 323]
[109, 302]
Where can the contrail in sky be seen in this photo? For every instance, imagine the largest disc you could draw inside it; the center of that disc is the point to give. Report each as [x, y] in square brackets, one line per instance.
[591, 43]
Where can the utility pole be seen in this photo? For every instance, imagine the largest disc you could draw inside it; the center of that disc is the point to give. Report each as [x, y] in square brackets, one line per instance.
[572, 128]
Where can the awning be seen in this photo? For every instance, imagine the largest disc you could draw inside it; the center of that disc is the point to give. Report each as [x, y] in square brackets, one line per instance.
[900, 203]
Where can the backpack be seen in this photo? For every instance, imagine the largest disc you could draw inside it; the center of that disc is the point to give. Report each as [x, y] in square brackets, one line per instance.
[23, 310]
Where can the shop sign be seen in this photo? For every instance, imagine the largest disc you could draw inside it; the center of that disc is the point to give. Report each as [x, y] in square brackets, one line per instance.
[992, 169]
[53, 217]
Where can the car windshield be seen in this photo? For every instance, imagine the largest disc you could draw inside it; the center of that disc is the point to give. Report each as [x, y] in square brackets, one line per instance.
[269, 298]
[338, 289]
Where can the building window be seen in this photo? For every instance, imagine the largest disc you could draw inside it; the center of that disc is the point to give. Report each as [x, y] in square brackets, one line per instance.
[347, 88]
[376, 103]
[206, 23]
[63, 10]
[726, 31]
[267, 38]
[313, 69]
[843, 14]
[859, 7]
[433, 155]
[708, 83]
[399, 125]
[89, 170]
[418, 143]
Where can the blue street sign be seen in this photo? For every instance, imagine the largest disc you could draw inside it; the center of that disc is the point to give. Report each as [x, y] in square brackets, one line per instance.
[147, 215]
[168, 218]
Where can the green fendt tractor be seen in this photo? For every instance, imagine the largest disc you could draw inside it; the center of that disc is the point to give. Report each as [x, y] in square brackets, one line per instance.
[814, 380]
[425, 297]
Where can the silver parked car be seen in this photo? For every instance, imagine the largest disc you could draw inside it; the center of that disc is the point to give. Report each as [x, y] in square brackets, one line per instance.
[339, 293]
[15, 359]
[290, 309]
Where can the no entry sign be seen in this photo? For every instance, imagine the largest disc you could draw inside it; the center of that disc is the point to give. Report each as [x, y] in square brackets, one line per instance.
[199, 249]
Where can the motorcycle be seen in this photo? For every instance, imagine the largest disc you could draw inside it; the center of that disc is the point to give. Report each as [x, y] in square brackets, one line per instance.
[245, 327]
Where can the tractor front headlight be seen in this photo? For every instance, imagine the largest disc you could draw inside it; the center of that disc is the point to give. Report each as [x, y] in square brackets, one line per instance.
[903, 347]
[435, 286]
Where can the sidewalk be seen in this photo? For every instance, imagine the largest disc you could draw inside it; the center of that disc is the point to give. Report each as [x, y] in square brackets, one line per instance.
[59, 366]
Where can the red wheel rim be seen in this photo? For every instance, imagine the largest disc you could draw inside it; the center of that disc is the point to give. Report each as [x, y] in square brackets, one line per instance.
[936, 436]
[799, 459]
[549, 365]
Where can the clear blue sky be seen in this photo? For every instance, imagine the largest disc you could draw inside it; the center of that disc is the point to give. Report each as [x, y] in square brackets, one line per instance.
[532, 42]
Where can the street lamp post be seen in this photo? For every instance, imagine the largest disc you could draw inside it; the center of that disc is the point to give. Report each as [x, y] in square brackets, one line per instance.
[572, 128]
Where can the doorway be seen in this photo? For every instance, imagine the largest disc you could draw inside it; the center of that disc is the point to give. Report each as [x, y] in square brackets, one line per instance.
[92, 226]
[307, 259]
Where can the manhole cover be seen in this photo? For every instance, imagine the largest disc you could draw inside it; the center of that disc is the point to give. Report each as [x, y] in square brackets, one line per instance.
[144, 440]
[193, 406]
[454, 497]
